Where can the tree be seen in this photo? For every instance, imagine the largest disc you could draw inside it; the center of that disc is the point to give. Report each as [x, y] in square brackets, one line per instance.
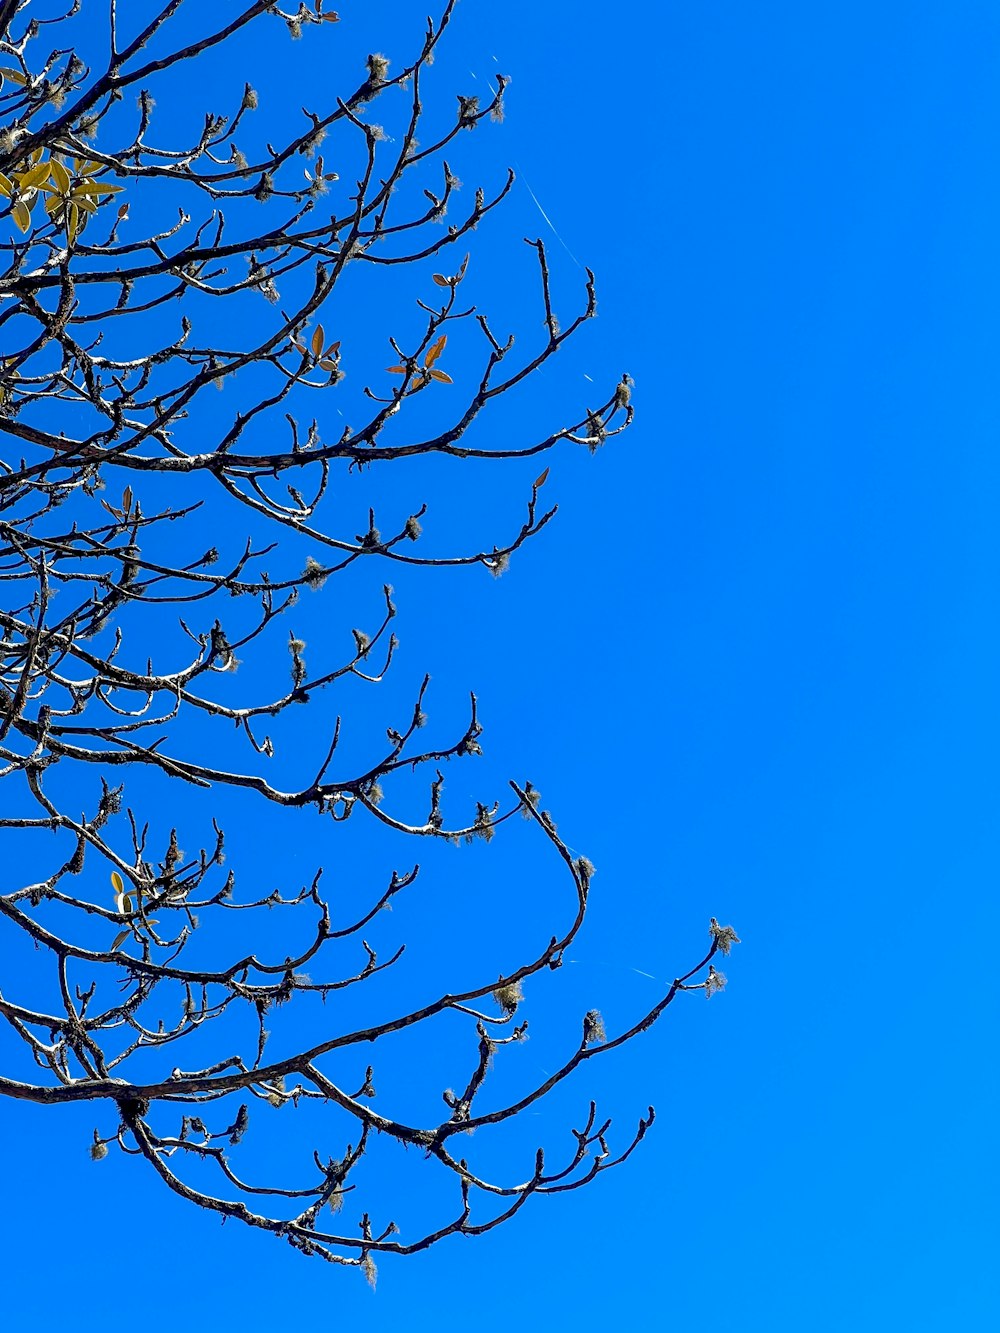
[102, 396]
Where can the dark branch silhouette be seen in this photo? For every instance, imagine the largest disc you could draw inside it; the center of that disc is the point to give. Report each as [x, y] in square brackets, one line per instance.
[106, 448]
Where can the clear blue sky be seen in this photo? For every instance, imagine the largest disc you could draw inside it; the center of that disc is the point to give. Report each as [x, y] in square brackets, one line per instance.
[754, 668]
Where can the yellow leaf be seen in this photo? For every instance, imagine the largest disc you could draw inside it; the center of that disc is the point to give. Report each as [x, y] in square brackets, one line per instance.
[317, 340]
[5, 186]
[441, 377]
[435, 351]
[97, 188]
[120, 939]
[72, 222]
[88, 205]
[14, 75]
[22, 218]
[117, 883]
[60, 177]
[33, 176]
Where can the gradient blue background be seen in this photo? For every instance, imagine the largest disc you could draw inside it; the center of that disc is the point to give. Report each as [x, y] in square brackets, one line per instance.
[753, 667]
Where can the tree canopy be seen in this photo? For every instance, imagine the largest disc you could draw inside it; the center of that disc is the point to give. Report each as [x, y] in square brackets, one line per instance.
[140, 274]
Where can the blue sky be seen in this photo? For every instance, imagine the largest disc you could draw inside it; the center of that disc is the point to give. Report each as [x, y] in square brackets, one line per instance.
[753, 667]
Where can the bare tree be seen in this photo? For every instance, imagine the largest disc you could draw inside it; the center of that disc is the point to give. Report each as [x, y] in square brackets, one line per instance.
[105, 451]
